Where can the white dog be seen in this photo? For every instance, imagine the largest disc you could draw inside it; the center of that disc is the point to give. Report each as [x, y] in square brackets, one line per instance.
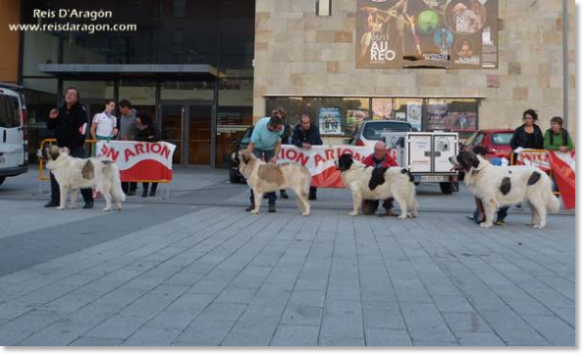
[74, 173]
[499, 186]
[368, 183]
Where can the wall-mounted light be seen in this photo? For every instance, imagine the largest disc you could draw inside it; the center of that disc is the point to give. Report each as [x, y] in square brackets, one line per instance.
[323, 7]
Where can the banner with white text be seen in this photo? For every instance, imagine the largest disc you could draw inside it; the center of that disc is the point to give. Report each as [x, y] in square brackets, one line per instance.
[139, 161]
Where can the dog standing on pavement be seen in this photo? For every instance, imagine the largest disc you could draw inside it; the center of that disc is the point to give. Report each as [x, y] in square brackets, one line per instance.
[501, 186]
[74, 173]
[368, 183]
[262, 177]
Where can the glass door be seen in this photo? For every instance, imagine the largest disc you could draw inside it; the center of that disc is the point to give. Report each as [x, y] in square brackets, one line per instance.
[172, 130]
[188, 125]
[200, 134]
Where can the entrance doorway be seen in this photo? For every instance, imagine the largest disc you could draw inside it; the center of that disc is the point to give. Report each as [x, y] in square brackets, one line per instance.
[188, 125]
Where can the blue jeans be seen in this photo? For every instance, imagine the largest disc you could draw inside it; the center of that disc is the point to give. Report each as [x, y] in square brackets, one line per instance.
[500, 216]
[266, 156]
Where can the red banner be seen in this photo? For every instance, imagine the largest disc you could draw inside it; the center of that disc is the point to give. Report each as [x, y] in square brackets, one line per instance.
[320, 161]
[561, 165]
[564, 172]
[140, 161]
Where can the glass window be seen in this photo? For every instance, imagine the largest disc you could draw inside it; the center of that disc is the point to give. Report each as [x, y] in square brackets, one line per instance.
[187, 90]
[374, 130]
[9, 112]
[339, 116]
[382, 108]
[457, 115]
[502, 138]
[141, 93]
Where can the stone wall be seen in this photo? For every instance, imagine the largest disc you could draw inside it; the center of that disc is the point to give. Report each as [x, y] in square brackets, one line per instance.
[300, 54]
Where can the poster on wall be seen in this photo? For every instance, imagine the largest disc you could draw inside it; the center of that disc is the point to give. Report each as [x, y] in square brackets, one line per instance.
[440, 117]
[414, 111]
[330, 121]
[355, 118]
[382, 109]
[460, 34]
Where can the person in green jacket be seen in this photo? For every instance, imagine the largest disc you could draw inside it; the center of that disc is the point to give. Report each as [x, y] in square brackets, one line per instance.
[557, 138]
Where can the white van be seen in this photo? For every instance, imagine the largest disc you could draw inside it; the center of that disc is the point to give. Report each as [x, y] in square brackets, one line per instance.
[13, 132]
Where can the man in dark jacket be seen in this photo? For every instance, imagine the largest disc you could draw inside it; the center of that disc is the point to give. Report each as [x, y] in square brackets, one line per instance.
[69, 123]
[305, 136]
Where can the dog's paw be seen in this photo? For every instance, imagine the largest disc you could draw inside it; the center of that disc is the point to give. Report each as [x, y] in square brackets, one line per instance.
[305, 214]
[106, 210]
[403, 217]
[485, 225]
[254, 212]
[537, 226]
[353, 214]
[61, 208]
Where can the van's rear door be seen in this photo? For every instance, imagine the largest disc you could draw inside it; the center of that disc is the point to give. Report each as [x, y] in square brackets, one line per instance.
[419, 152]
[11, 130]
[445, 146]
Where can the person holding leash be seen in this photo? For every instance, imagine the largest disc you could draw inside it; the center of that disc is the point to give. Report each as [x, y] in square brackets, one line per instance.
[265, 144]
[305, 136]
[69, 123]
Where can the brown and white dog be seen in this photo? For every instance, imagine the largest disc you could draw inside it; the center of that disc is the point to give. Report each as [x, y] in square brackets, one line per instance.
[74, 173]
[501, 186]
[263, 177]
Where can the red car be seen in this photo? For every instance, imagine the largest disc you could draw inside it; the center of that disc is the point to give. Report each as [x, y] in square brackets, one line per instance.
[497, 141]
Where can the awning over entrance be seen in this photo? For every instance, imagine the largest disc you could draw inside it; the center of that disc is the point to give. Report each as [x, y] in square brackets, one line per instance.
[115, 71]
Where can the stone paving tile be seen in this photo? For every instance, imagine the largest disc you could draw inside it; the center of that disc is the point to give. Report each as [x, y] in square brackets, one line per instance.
[387, 337]
[295, 335]
[223, 277]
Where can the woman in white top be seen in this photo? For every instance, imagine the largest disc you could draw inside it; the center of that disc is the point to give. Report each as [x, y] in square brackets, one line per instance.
[104, 124]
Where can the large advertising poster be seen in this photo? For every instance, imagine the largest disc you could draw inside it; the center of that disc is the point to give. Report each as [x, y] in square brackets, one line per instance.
[460, 34]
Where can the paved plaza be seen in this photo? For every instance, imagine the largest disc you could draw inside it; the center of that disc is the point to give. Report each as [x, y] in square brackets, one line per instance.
[196, 269]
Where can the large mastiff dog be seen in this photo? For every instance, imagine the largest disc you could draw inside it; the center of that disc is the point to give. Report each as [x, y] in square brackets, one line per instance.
[368, 183]
[263, 177]
[499, 186]
[74, 173]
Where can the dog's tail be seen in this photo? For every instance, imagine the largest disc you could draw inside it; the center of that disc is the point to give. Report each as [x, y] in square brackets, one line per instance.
[111, 171]
[552, 202]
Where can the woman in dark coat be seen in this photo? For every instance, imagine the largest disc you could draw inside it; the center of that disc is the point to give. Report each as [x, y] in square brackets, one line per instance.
[529, 135]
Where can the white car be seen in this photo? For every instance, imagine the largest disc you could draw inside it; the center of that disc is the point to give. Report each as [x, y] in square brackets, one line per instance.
[13, 132]
[369, 132]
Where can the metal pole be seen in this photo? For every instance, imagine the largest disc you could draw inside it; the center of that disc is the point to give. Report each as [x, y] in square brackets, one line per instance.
[566, 70]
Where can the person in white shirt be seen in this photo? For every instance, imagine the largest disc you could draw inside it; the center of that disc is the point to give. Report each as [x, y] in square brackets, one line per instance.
[104, 125]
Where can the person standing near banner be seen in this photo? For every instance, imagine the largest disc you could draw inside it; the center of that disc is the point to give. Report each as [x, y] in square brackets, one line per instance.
[305, 136]
[380, 159]
[265, 144]
[68, 123]
[128, 131]
[557, 138]
[528, 135]
[147, 132]
[104, 124]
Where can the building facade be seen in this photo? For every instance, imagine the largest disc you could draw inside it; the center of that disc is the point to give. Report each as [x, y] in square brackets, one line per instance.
[207, 70]
[186, 63]
[308, 63]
